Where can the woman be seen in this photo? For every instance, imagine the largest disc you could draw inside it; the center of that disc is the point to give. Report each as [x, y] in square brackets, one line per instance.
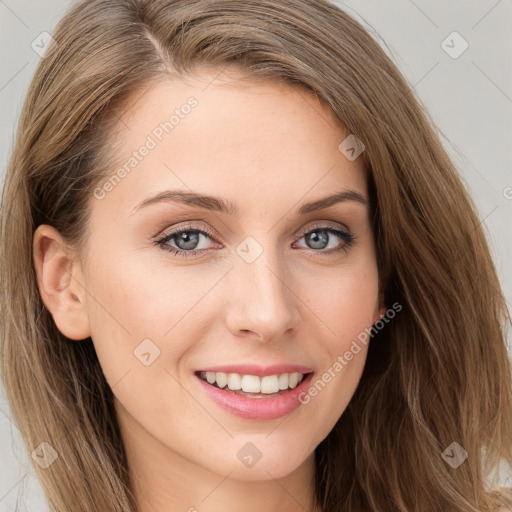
[239, 270]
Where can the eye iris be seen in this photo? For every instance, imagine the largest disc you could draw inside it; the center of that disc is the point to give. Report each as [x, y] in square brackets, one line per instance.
[315, 238]
[189, 241]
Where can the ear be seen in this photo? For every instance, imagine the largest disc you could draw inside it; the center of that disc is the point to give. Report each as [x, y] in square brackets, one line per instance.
[59, 279]
[380, 309]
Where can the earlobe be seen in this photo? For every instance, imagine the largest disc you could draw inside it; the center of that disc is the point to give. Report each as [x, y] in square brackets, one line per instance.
[59, 279]
[382, 308]
[380, 314]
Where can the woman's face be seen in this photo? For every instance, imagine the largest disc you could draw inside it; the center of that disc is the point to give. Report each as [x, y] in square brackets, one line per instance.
[265, 280]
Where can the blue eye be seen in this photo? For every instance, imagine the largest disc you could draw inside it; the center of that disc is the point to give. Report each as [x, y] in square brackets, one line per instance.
[187, 239]
[320, 236]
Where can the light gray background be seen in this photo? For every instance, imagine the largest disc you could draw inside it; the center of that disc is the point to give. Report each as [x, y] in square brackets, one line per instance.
[469, 98]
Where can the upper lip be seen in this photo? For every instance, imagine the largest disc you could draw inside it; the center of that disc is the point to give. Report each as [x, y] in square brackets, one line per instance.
[260, 371]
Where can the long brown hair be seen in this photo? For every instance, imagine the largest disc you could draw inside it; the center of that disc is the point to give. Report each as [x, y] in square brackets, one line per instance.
[435, 375]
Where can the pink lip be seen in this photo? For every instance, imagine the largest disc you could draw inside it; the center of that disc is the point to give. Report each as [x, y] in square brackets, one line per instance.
[260, 371]
[257, 408]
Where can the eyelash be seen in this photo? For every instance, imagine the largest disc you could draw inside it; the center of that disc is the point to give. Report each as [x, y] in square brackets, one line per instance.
[346, 236]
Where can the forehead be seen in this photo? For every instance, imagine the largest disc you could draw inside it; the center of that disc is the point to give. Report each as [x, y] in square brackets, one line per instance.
[229, 136]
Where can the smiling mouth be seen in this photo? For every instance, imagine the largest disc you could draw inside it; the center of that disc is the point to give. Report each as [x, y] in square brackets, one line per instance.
[246, 385]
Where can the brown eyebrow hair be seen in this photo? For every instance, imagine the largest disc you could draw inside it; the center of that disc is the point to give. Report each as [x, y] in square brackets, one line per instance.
[226, 206]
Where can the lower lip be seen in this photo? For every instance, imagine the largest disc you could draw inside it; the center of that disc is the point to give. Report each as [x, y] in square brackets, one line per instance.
[257, 408]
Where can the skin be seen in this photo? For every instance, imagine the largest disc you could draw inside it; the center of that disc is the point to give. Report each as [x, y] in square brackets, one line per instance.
[268, 148]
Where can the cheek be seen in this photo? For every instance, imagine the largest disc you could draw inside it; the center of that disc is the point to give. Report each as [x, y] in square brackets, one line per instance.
[344, 301]
[142, 298]
[351, 308]
[343, 308]
[143, 322]
[132, 303]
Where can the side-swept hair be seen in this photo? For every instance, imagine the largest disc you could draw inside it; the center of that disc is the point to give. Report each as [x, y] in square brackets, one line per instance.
[437, 374]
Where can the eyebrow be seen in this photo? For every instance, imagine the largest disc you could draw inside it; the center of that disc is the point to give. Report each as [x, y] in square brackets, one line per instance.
[225, 206]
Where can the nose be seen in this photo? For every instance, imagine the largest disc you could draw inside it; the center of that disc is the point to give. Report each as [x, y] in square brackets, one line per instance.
[263, 303]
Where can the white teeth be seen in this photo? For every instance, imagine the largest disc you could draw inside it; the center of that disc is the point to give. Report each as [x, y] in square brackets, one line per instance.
[293, 379]
[270, 384]
[252, 383]
[283, 381]
[221, 379]
[234, 381]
